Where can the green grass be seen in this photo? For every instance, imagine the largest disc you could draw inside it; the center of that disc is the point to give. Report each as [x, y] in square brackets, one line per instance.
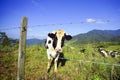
[74, 69]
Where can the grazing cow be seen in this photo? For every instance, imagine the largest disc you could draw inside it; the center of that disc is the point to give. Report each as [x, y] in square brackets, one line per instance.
[54, 44]
[106, 53]
[115, 54]
[103, 52]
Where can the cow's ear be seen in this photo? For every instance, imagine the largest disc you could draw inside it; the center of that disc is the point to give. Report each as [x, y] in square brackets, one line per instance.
[51, 35]
[68, 37]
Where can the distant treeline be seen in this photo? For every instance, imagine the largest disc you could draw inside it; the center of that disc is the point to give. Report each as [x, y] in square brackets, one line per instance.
[5, 41]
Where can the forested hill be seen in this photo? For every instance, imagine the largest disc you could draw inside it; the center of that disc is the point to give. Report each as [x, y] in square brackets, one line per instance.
[35, 41]
[97, 36]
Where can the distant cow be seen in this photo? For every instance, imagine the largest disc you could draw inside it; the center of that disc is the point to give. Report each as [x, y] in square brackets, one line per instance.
[103, 52]
[115, 54]
[54, 44]
[107, 53]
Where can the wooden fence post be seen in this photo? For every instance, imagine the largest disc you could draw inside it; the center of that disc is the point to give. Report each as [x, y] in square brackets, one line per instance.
[22, 48]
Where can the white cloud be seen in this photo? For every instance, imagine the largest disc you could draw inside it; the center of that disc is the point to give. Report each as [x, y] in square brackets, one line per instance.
[90, 20]
[99, 21]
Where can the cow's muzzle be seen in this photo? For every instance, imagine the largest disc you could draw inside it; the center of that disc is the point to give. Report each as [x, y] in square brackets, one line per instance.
[58, 50]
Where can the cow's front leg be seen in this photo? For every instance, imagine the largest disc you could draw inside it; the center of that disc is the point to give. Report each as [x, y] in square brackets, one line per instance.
[49, 64]
[55, 62]
[55, 65]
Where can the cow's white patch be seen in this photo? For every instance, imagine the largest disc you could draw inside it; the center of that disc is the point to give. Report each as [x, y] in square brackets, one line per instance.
[104, 52]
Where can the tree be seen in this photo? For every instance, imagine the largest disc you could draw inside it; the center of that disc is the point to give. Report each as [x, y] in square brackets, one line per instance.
[5, 41]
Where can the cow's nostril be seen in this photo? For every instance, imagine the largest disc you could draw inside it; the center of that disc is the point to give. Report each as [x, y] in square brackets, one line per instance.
[58, 50]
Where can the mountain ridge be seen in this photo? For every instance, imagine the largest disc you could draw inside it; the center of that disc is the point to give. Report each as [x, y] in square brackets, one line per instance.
[92, 36]
[97, 36]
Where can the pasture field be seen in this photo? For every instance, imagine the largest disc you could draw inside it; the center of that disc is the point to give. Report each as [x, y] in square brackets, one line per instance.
[77, 65]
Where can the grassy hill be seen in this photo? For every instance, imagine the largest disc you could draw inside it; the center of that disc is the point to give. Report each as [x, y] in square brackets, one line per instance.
[77, 67]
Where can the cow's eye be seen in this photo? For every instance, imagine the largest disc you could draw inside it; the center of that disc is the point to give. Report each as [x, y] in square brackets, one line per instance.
[49, 41]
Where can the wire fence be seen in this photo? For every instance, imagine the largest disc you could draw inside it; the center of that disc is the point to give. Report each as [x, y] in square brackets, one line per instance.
[31, 28]
[43, 25]
[53, 24]
[87, 61]
[10, 28]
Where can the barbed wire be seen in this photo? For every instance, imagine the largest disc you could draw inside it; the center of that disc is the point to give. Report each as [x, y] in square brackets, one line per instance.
[91, 62]
[55, 24]
[87, 61]
[37, 37]
[9, 28]
[43, 25]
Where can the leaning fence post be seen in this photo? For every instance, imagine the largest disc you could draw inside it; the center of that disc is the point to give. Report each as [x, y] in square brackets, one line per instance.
[22, 48]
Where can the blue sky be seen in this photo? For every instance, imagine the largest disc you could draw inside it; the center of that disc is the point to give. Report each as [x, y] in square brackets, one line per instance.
[85, 15]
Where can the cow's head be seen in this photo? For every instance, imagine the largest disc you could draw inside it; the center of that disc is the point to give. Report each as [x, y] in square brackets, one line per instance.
[58, 39]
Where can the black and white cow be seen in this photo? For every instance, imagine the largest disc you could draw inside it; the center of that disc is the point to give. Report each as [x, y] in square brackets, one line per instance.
[107, 53]
[115, 54]
[103, 52]
[54, 44]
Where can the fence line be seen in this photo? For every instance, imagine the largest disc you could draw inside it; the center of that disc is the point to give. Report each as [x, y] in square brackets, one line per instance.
[53, 24]
[91, 62]
[10, 28]
[86, 61]
[29, 26]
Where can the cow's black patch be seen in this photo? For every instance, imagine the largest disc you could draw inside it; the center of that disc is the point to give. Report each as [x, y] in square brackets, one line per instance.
[62, 42]
[49, 41]
[45, 44]
[68, 37]
[45, 41]
[55, 42]
[51, 35]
